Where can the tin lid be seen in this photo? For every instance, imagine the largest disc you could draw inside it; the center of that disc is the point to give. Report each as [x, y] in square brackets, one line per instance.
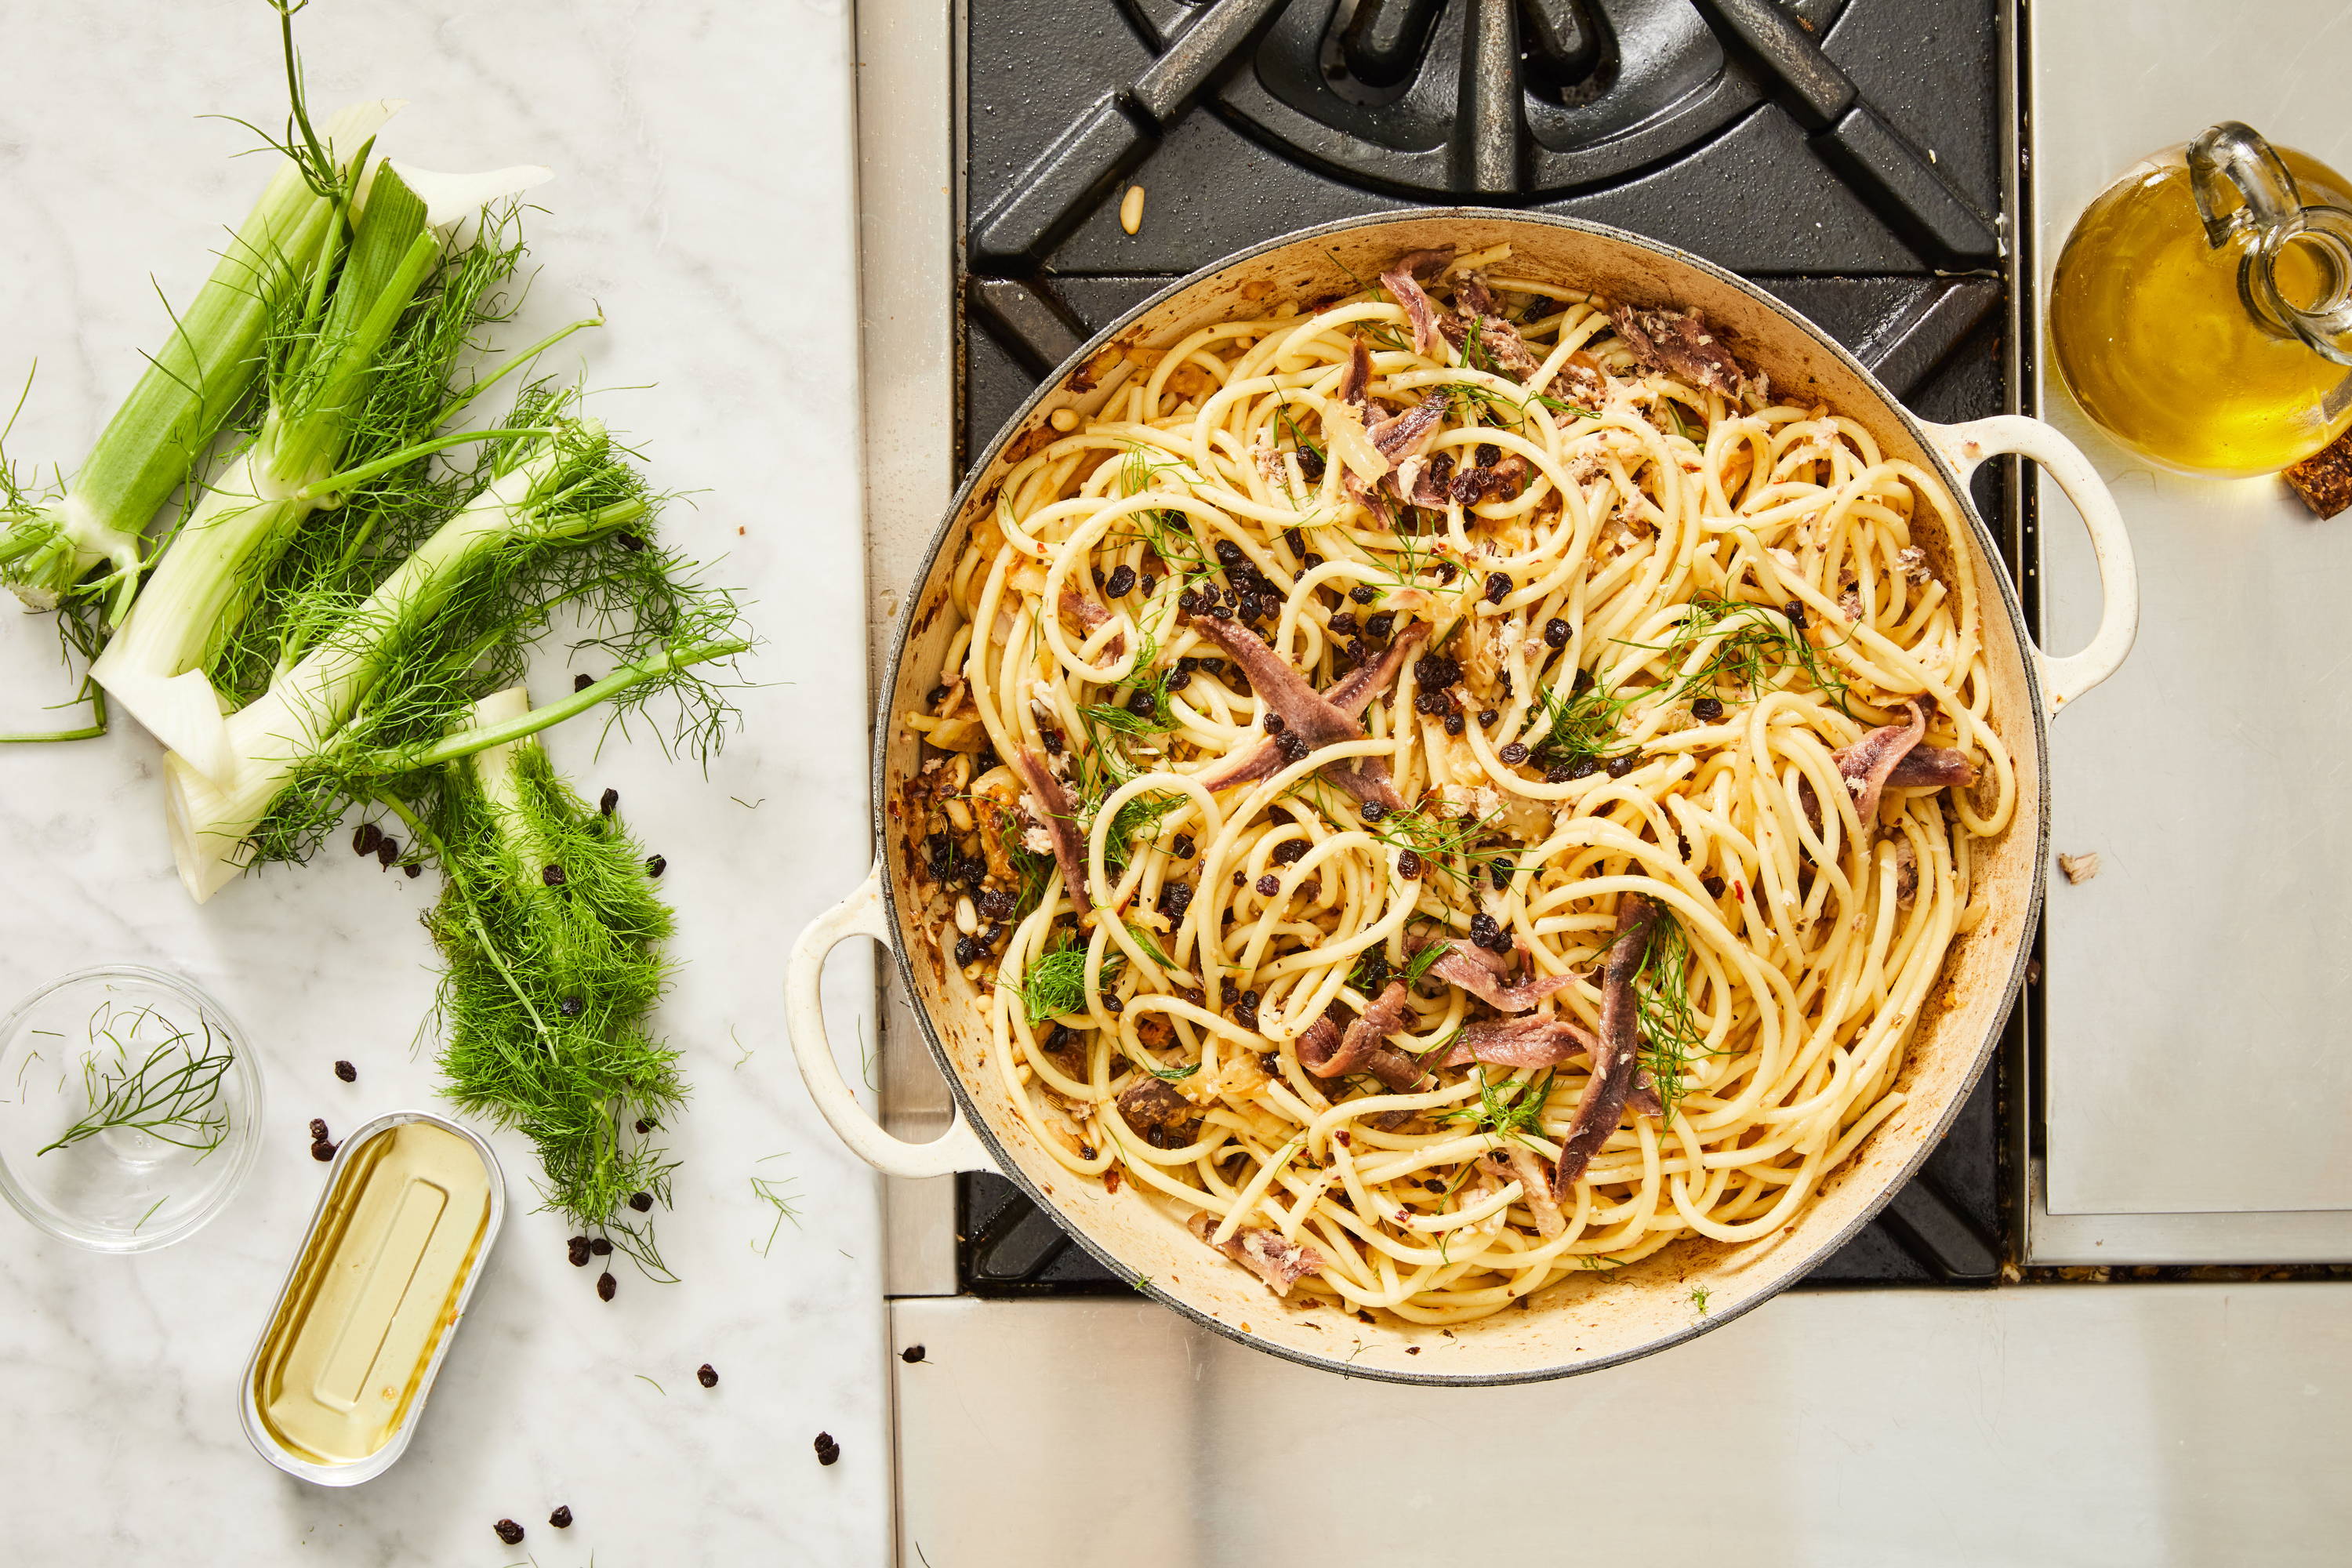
[342, 1367]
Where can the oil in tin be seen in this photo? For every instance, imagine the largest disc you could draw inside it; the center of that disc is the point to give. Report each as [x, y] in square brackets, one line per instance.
[376, 1290]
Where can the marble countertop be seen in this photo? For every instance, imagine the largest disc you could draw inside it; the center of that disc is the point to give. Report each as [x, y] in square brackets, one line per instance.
[704, 200]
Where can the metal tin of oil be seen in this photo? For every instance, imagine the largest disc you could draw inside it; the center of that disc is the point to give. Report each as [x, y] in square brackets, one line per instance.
[366, 1332]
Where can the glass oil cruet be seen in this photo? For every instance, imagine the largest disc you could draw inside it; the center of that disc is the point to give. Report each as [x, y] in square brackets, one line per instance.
[2202, 308]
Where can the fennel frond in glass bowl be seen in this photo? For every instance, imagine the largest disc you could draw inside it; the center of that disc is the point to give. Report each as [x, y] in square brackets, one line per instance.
[129, 1108]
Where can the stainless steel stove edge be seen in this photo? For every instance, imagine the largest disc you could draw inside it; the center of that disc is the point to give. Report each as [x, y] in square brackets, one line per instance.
[2041, 1239]
[908, 229]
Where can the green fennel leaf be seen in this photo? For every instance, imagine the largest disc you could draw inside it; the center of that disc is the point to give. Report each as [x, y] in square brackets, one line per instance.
[545, 1005]
[1056, 984]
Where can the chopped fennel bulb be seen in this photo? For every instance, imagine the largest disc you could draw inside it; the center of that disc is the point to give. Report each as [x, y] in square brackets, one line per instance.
[559, 518]
[194, 383]
[355, 386]
[552, 977]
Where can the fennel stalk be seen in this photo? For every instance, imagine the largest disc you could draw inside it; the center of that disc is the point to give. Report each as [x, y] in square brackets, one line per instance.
[362, 329]
[50, 544]
[557, 519]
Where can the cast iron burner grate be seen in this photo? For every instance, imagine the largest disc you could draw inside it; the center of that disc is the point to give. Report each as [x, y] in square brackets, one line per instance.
[1786, 142]
[1480, 98]
[1494, 101]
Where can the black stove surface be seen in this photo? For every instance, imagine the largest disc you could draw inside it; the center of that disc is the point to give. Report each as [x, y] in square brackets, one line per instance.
[1844, 154]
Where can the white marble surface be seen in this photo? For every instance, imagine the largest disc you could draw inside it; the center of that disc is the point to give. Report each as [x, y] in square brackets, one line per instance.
[704, 199]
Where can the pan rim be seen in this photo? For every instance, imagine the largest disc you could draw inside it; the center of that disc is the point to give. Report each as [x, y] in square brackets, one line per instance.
[1980, 536]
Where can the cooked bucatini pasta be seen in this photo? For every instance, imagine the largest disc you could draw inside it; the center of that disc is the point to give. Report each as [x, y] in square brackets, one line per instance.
[1457, 787]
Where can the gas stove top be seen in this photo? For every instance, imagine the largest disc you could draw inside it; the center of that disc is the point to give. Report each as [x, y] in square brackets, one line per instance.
[1847, 156]
[1645, 108]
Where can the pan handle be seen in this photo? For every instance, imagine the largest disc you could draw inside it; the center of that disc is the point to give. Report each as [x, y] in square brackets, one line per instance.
[860, 914]
[1966, 445]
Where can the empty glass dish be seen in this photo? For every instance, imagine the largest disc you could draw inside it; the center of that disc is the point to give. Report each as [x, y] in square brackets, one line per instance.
[130, 1107]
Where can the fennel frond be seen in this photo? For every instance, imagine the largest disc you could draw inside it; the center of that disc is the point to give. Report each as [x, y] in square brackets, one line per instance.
[552, 935]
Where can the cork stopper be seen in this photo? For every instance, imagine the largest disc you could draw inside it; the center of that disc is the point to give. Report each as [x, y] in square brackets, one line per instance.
[2324, 480]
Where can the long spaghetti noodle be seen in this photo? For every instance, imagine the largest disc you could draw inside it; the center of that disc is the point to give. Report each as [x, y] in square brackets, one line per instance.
[1621, 650]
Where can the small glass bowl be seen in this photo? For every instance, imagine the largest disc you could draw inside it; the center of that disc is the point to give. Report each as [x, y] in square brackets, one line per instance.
[140, 1035]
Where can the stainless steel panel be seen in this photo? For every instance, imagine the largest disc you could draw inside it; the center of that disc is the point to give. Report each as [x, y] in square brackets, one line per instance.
[2197, 990]
[905, 269]
[2307, 1236]
[2092, 1424]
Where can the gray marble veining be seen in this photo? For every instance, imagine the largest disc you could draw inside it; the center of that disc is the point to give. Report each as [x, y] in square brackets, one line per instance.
[704, 200]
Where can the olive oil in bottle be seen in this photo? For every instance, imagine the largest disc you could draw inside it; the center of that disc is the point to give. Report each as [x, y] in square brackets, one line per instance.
[2202, 308]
